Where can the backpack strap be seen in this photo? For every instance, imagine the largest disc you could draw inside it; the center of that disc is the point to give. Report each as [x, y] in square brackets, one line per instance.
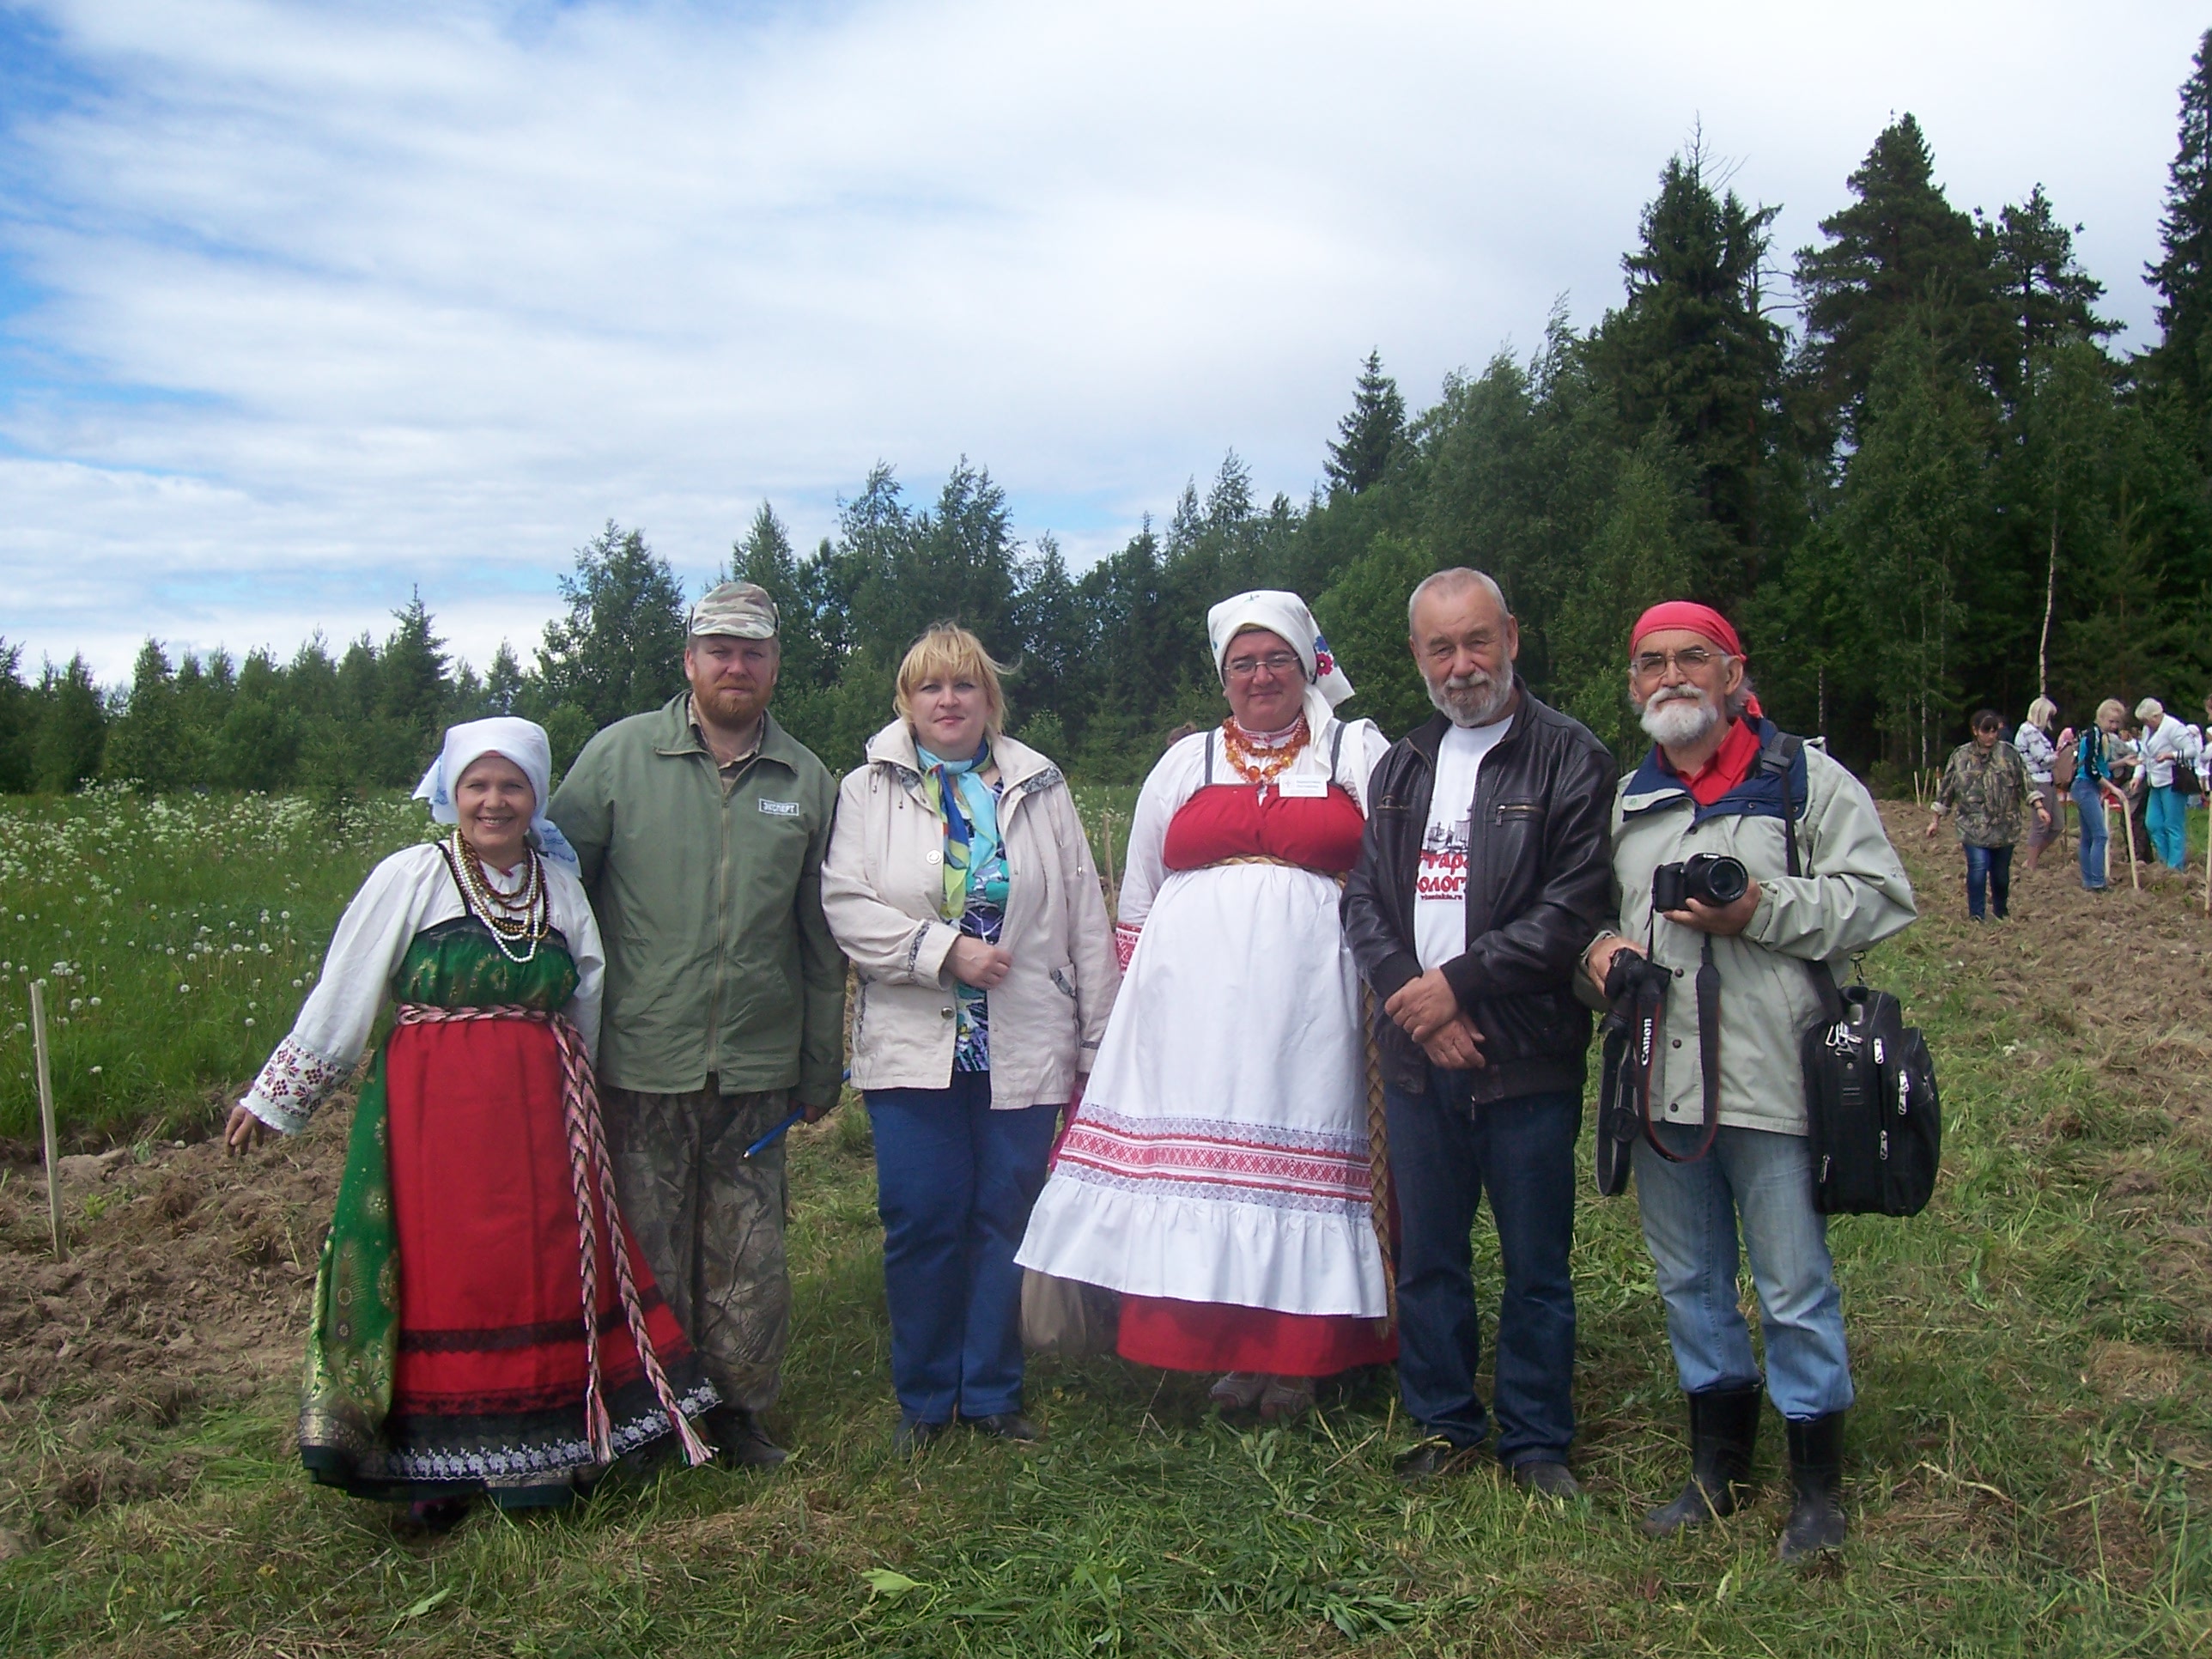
[1777, 758]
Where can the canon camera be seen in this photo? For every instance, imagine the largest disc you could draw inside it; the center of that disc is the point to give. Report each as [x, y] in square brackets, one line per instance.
[1714, 879]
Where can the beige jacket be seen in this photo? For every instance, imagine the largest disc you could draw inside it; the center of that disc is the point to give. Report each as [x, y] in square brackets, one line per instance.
[1852, 894]
[880, 887]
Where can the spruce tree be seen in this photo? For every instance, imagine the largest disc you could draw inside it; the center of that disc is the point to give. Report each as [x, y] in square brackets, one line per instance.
[1899, 251]
[620, 650]
[146, 746]
[1369, 432]
[2182, 277]
[1693, 351]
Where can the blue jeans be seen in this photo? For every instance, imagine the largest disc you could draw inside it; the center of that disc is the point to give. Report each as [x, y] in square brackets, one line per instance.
[2166, 815]
[2091, 846]
[1441, 1160]
[1761, 1184]
[954, 1183]
[1991, 865]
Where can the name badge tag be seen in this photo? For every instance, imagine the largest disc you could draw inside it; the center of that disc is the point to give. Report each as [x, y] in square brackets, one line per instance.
[1303, 785]
[779, 809]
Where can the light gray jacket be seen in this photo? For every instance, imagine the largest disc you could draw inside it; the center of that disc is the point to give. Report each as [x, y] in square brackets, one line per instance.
[1853, 895]
[881, 885]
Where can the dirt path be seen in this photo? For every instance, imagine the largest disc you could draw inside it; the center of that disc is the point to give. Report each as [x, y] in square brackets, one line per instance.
[190, 1276]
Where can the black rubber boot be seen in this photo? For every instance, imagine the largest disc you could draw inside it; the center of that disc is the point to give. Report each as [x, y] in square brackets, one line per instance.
[1723, 1428]
[1816, 1469]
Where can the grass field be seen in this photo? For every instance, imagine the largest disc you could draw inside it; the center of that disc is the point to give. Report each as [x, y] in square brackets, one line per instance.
[2028, 1467]
[177, 937]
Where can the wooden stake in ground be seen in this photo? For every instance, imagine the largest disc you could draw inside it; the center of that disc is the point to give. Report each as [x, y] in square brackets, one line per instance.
[47, 1113]
[2128, 828]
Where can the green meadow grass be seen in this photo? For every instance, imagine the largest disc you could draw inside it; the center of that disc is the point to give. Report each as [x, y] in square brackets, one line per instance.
[2027, 1468]
[177, 937]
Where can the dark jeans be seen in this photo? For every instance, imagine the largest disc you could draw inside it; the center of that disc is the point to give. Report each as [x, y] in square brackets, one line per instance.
[1442, 1160]
[955, 1181]
[1992, 864]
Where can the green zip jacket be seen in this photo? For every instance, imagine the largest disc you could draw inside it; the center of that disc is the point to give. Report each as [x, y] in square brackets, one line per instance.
[710, 904]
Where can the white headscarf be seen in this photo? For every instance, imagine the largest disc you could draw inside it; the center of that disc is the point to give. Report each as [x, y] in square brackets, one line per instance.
[521, 741]
[1282, 614]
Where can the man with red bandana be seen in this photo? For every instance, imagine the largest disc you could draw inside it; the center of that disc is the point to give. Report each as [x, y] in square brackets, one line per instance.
[1703, 788]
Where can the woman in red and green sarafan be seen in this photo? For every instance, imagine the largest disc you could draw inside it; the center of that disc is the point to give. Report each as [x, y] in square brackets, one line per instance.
[450, 1354]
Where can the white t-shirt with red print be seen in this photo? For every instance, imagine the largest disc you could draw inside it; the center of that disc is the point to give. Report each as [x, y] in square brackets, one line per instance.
[1440, 882]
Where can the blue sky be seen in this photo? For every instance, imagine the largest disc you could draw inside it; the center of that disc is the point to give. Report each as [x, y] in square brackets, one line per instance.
[305, 306]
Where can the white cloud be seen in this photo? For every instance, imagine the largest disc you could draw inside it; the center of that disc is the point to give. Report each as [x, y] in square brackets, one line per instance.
[341, 301]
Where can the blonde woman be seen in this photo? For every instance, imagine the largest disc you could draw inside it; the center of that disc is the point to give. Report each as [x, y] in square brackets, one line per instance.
[2039, 746]
[959, 881]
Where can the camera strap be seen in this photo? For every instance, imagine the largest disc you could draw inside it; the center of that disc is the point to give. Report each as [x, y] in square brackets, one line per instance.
[1709, 1057]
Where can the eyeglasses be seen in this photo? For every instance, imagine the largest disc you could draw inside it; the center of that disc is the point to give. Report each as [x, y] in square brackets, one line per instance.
[1275, 662]
[1691, 660]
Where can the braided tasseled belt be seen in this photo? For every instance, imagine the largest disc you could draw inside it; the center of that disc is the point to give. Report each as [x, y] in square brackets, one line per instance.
[589, 1169]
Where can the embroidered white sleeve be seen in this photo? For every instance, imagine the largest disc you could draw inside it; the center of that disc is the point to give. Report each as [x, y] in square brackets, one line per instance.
[572, 915]
[1173, 780]
[292, 1084]
[401, 895]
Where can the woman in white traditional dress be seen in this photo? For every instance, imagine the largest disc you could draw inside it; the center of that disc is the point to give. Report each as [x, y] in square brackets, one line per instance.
[1219, 1172]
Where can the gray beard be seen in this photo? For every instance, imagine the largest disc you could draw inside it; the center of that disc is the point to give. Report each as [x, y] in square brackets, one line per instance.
[1469, 704]
[1677, 723]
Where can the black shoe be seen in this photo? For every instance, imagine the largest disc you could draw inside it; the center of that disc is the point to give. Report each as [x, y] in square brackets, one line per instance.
[432, 1517]
[1816, 1469]
[1546, 1479]
[739, 1441]
[1723, 1428]
[1435, 1457]
[913, 1434]
[1009, 1425]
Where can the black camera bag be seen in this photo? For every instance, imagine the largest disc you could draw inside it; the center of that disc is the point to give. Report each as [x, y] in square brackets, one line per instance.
[1874, 1114]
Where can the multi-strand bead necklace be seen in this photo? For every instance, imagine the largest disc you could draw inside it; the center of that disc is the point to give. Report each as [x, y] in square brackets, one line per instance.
[524, 917]
[1261, 758]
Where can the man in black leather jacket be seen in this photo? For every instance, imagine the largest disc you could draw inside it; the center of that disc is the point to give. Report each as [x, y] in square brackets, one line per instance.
[1485, 869]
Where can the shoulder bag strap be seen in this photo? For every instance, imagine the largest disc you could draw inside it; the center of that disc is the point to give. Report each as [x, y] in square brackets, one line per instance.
[1779, 757]
[1208, 778]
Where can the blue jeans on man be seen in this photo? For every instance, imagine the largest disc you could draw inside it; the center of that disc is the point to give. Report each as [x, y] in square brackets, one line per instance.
[955, 1183]
[1989, 867]
[1443, 1159]
[2089, 803]
[1756, 1189]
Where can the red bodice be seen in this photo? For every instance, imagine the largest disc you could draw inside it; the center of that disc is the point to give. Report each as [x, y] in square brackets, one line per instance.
[1228, 821]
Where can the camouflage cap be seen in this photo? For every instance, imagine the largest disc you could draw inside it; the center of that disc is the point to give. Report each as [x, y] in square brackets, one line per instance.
[741, 610]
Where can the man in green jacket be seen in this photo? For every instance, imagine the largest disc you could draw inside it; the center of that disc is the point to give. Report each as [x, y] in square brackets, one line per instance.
[701, 829]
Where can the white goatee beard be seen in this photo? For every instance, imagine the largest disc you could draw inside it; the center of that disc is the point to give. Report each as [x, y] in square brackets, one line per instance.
[1677, 720]
[1473, 700]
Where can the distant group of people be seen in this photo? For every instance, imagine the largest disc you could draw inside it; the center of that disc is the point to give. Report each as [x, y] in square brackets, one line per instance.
[2150, 765]
[1347, 994]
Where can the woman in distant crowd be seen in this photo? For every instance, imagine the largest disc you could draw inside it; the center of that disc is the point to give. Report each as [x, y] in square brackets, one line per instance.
[2165, 749]
[1219, 1174]
[482, 1322]
[1986, 783]
[2094, 760]
[959, 881]
[2039, 751]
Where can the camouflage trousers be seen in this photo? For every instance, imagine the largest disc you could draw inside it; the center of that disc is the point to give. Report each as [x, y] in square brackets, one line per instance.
[710, 1223]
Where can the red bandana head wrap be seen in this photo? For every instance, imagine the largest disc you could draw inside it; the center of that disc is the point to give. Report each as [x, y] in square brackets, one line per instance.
[1687, 613]
[1697, 619]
